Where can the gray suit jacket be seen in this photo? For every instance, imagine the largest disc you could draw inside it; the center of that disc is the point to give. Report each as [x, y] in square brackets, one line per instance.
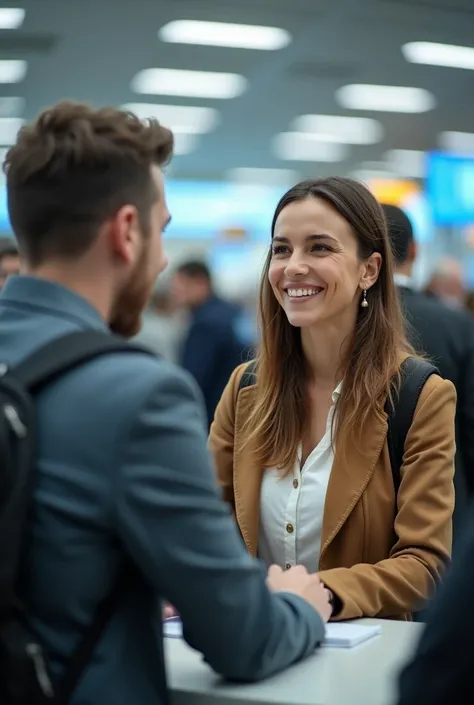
[123, 472]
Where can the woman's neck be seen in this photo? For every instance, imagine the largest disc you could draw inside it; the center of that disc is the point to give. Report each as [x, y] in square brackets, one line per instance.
[326, 350]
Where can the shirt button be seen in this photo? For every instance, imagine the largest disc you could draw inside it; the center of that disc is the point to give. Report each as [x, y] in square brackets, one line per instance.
[290, 528]
[288, 566]
[295, 484]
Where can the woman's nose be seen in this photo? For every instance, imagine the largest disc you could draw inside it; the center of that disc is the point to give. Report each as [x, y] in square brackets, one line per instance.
[296, 266]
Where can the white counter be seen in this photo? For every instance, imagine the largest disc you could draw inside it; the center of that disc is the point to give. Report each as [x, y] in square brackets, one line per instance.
[364, 675]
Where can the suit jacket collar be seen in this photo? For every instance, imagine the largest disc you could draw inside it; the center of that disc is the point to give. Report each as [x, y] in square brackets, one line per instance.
[34, 293]
[350, 476]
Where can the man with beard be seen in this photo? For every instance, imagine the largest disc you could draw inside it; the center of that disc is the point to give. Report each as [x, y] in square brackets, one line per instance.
[124, 493]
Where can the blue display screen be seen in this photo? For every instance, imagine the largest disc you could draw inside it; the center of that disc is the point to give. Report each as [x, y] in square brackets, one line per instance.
[450, 188]
[4, 219]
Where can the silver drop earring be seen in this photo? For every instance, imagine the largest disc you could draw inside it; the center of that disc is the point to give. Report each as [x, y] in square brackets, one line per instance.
[364, 303]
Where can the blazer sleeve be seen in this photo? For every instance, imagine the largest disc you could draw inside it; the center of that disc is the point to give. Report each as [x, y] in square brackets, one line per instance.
[171, 520]
[221, 436]
[423, 524]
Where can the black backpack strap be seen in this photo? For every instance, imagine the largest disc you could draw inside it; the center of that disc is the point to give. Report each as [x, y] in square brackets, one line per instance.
[249, 376]
[62, 354]
[83, 654]
[414, 373]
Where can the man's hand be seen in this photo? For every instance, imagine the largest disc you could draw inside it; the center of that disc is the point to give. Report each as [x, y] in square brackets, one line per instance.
[298, 581]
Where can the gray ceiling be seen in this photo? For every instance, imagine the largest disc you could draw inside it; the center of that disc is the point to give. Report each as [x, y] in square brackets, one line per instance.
[90, 50]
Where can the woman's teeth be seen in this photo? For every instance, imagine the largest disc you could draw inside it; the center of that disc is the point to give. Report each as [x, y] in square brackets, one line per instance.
[296, 293]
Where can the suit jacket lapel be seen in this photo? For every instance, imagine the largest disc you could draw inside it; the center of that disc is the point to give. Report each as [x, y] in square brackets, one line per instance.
[350, 476]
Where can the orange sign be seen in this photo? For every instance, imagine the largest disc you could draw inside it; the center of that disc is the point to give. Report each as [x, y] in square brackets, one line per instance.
[393, 191]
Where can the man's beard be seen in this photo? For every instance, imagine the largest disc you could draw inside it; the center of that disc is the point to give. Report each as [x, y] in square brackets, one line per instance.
[126, 319]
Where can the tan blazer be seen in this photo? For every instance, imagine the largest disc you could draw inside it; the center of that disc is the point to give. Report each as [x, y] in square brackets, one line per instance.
[379, 562]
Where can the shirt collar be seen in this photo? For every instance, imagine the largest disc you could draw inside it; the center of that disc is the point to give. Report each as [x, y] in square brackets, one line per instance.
[337, 393]
[36, 293]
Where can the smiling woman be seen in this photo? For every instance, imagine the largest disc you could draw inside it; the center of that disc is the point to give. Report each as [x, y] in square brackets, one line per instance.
[302, 453]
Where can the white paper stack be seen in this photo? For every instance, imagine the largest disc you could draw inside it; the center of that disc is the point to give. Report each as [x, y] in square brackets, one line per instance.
[345, 635]
[173, 628]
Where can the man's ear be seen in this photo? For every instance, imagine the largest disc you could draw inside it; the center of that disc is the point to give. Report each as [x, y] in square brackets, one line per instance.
[412, 251]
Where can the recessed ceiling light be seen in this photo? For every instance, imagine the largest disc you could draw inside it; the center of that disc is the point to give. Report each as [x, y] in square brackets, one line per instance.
[184, 144]
[179, 118]
[195, 84]
[407, 162]
[9, 129]
[296, 146]
[433, 54]
[11, 107]
[462, 142]
[11, 17]
[12, 70]
[393, 99]
[272, 177]
[335, 128]
[224, 34]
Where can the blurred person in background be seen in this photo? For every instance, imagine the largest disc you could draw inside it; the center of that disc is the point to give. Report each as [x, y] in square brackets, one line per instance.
[301, 450]
[124, 508]
[212, 345]
[447, 283]
[9, 260]
[161, 330]
[446, 335]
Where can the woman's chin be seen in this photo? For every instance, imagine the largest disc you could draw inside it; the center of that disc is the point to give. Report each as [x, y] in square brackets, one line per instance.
[303, 320]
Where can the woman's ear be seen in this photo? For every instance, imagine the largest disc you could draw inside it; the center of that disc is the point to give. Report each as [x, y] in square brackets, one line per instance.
[371, 270]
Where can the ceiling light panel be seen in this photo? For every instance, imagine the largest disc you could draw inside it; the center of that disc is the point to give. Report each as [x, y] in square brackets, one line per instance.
[433, 54]
[407, 162]
[193, 84]
[462, 142]
[9, 130]
[11, 17]
[12, 70]
[224, 34]
[334, 128]
[179, 118]
[393, 99]
[297, 146]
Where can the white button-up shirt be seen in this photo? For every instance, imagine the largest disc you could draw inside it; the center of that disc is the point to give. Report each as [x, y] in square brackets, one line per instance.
[292, 506]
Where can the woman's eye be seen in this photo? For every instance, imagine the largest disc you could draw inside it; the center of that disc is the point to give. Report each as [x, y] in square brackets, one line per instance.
[320, 248]
[279, 249]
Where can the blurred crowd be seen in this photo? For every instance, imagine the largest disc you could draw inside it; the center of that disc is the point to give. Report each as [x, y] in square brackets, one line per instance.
[188, 323]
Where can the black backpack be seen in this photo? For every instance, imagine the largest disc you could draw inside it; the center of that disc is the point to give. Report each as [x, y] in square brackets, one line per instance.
[24, 677]
[415, 373]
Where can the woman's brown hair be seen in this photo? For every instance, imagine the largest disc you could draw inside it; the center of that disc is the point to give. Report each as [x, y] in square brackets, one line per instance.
[277, 422]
